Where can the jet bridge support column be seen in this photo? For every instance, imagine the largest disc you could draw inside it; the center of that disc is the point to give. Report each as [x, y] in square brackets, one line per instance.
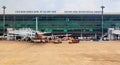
[110, 35]
[118, 37]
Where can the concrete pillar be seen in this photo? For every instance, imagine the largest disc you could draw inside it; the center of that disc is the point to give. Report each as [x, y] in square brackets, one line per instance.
[36, 23]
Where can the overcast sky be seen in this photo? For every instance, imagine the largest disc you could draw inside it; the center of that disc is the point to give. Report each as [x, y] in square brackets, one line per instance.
[60, 5]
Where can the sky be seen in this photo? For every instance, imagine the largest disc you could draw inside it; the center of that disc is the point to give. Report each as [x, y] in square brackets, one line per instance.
[60, 5]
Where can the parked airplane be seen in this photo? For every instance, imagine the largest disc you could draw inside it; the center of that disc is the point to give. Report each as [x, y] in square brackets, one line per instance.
[23, 34]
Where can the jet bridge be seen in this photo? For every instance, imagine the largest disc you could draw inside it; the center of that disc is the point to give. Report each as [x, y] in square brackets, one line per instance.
[114, 33]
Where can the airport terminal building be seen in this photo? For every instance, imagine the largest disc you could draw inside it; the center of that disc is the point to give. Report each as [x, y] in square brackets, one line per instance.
[89, 24]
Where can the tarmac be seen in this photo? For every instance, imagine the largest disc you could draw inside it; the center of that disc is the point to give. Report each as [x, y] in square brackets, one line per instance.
[83, 53]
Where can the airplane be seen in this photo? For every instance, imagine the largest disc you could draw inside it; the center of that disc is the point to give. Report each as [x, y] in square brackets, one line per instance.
[24, 34]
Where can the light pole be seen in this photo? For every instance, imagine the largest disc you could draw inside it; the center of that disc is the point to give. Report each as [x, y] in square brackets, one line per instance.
[102, 7]
[4, 7]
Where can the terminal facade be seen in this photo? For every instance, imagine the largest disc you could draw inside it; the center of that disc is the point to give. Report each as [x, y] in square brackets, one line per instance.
[76, 24]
